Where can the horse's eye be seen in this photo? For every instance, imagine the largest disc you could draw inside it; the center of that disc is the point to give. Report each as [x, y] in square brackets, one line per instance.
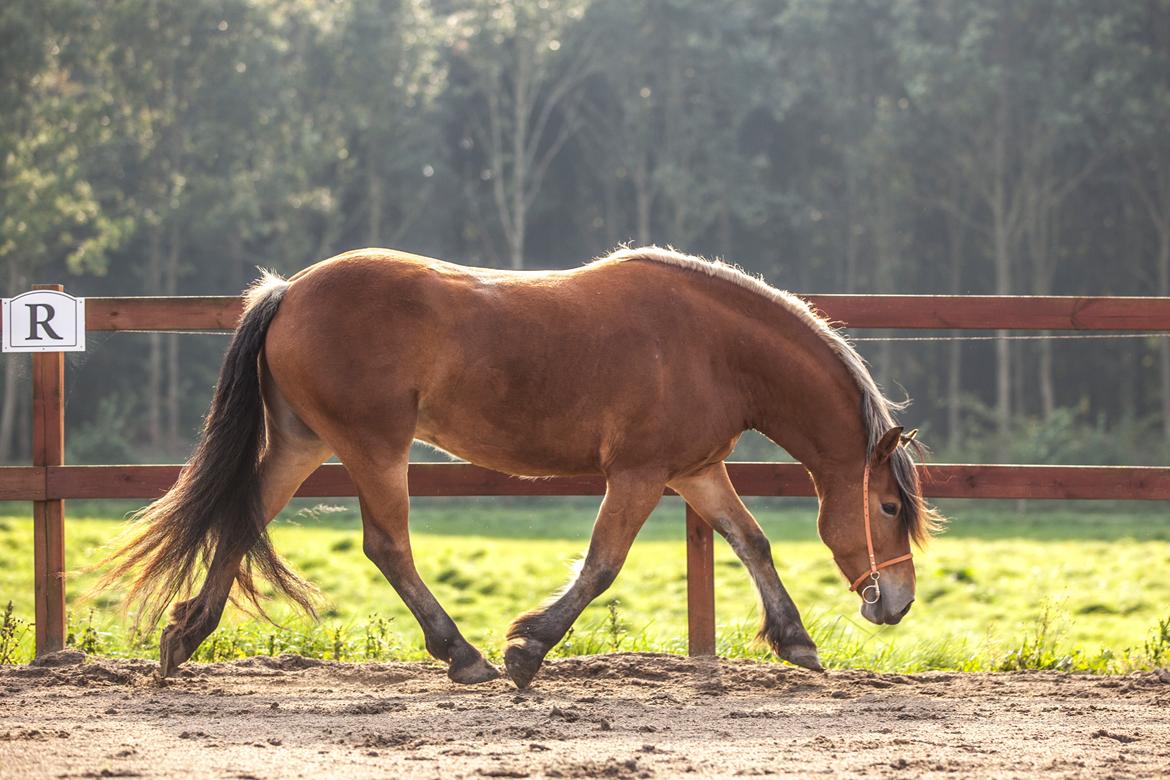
[890, 509]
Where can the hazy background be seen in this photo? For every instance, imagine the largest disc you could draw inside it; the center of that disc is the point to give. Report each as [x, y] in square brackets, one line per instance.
[884, 146]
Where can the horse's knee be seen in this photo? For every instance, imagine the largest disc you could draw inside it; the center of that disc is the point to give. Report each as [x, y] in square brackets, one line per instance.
[748, 543]
[758, 543]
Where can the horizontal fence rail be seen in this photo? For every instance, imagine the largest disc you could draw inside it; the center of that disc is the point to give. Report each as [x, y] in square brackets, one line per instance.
[917, 312]
[943, 480]
[995, 312]
[48, 482]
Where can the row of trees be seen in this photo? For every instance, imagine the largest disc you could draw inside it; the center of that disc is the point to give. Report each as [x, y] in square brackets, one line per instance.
[830, 145]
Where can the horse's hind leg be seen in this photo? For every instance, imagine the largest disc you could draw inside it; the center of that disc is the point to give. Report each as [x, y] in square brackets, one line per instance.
[712, 495]
[629, 500]
[293, 452]
[385, 504]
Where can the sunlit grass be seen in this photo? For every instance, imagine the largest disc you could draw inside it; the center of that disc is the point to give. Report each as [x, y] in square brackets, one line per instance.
[1075, 590]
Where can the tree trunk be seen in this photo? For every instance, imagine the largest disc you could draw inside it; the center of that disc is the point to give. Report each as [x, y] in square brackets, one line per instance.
[955, 351]
[516, 245]
[520, 107]
[1127, 393]
[725, 229]
[173, 405]
[1164, 345]
[12, 363]
[1003, 352]
[24, 432]
[1047, 383]
[1003, 267]
[1044, 366]
[8, 446]
[611, 208]
[1020, 389]
[954, 395]
[883, 235]
[1164, 349]
[1040, 228]
[849, 266]
[643, 198]
[374, 202]
[154, 359]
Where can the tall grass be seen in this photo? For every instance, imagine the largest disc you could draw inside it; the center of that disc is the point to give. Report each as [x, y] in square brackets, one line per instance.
[1060, 590]
[840, 645]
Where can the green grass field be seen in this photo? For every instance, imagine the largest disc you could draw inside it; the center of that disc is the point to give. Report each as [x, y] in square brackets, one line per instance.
[1079, 589]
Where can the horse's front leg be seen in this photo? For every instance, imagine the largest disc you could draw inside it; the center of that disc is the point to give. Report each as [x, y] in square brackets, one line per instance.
[711, 494]
[629, 500]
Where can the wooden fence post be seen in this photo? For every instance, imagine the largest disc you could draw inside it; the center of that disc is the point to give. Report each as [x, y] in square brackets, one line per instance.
[700, 586]
[48, 369]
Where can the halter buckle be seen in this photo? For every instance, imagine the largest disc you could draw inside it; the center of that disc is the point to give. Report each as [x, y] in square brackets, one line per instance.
[872, 586]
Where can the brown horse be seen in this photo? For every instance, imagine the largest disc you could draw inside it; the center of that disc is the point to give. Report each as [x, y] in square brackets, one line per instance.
[644, 367]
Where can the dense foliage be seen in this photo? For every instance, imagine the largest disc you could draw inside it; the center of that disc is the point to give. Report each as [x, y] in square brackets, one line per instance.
[154, 147]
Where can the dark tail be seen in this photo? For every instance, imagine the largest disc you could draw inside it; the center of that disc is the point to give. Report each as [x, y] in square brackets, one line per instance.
[216, 501]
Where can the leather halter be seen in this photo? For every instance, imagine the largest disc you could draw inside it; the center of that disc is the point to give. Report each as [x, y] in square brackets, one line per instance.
[874, 567]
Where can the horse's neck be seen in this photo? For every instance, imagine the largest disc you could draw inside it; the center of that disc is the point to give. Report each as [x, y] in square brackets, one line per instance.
[807, 401]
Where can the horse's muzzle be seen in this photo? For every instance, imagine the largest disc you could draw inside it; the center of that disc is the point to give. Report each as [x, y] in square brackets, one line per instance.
[881, 614]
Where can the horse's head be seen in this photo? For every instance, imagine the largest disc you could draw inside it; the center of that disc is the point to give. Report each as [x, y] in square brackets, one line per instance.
[874, 553]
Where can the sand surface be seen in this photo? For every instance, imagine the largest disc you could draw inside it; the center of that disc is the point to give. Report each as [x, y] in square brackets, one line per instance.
[619, 716]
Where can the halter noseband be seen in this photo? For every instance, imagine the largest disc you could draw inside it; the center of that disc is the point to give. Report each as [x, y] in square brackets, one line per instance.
[874, 567]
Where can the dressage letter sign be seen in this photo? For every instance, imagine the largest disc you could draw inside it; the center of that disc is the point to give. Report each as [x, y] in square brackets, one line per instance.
[44, 321]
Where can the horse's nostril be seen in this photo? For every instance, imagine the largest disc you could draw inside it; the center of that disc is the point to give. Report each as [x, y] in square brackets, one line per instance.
[906, 608]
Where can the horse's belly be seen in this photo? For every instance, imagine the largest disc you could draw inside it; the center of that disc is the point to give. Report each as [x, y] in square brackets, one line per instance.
[476, 444]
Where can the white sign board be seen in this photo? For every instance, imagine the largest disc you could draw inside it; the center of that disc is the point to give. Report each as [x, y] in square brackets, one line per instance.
[44, 321]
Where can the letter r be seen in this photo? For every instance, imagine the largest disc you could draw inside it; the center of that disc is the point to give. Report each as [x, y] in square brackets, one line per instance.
[35, 323]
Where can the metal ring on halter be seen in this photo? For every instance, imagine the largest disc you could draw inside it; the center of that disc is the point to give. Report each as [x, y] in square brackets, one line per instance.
[875, 587]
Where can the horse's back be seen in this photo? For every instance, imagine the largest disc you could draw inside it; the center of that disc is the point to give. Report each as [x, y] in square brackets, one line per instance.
[365, 295]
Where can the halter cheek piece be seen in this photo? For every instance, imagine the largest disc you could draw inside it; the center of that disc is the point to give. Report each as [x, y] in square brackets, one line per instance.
[873, 589]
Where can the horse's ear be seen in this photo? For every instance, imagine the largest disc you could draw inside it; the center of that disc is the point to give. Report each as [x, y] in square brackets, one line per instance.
[909, 437]
[889, 442]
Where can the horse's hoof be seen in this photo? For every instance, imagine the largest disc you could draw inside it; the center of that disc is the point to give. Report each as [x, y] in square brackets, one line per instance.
[164, 652]
[522, 660]
[171, 652]
[477, 671]
[802, 655]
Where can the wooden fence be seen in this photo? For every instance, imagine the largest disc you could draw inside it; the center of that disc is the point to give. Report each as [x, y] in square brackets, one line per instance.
[48, 481]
